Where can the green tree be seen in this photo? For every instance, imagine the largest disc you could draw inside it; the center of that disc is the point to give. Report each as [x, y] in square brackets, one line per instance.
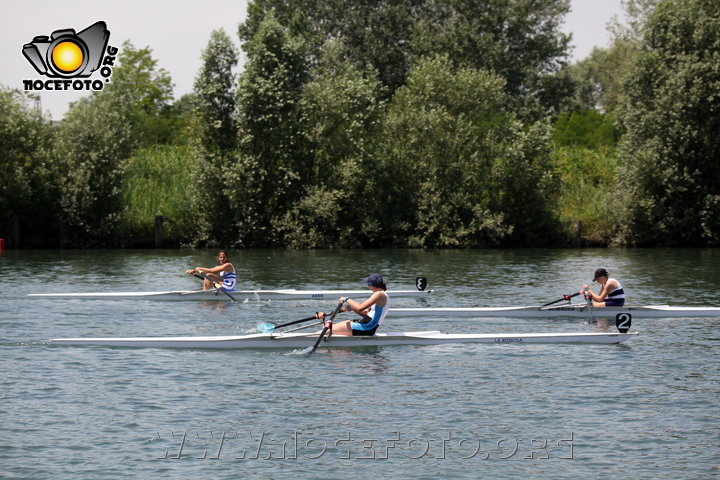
[95, 139]
[472, 175]
[672, 115]
[588, 128]
[588, 184]
[28, 186]
[215, 134]
[633, 27]
[139, 78]
[376, 34]
[156, 181]
[215, 93]
[520, 40]
[341, 119]
[599, 78]
[264, 181]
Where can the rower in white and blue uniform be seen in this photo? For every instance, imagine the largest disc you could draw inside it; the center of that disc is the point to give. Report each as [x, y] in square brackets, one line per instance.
[222, 275]
[372, 310]
[611, 293]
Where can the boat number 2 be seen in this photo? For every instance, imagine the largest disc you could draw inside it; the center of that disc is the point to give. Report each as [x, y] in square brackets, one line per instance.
[623, 321]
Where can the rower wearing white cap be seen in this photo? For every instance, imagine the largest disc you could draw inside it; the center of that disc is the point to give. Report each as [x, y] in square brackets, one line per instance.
[372, 310]
[611, 293]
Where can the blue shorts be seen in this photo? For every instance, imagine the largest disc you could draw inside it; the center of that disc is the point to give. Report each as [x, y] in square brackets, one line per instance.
[364, 333]
[614, 302]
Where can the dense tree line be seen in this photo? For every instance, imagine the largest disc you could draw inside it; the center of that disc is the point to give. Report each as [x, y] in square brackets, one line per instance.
[387, 123]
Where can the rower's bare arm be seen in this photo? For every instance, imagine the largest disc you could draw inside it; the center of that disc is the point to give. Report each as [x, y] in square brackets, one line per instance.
[225, 267]
[371, 301]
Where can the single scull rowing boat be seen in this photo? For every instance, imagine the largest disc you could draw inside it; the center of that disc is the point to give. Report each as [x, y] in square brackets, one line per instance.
[180, 295]
[579, 310]
[302, 340]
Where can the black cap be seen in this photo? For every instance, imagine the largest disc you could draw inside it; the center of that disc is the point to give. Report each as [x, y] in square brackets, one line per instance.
[373, 280]
[600, 272]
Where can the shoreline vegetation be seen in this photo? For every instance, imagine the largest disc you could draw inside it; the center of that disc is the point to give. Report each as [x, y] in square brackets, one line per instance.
[389, 125]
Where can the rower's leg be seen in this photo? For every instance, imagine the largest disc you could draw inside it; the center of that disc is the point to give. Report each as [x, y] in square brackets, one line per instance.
[342, 328]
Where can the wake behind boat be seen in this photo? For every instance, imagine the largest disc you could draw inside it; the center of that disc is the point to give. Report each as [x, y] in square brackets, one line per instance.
[575, 310]
[302, 340]
[185, 295]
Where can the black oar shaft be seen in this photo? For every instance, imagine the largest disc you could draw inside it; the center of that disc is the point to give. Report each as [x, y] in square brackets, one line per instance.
[297, 321]
[564, 297]
[203, 276]
[319, 339]
[327, 326]
[588, 300]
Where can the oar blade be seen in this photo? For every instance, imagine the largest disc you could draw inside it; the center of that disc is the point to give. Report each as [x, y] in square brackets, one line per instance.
[266, 327]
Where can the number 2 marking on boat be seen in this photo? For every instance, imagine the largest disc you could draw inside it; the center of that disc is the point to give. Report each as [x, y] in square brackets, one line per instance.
[623, 322]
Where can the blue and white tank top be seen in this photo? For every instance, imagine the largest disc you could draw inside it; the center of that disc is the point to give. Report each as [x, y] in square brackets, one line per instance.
[228, 279]
[618, 294]
[377, 315]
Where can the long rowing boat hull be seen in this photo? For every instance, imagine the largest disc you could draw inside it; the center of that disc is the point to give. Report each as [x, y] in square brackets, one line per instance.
[302, 340]
[185, 295]
[579, 311]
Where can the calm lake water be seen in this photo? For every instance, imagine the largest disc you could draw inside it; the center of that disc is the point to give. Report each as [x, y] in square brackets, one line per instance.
[645, 409]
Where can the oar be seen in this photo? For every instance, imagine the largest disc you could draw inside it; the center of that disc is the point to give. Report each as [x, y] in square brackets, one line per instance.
[327, 325]
[588, 299]
[564, 297]
[218, 287]
[268, 327]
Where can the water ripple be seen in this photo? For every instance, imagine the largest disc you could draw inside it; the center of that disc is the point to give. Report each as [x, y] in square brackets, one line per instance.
[645, 409]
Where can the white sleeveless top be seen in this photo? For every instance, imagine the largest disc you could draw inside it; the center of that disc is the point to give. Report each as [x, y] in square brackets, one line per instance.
[229, 279]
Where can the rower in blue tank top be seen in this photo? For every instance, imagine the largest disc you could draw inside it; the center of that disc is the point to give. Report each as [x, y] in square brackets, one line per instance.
[224, 274]
[611, 292]
[372, 310]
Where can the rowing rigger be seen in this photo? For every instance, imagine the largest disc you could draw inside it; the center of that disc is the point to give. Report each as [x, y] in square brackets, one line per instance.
[302, 340]
[579, 310]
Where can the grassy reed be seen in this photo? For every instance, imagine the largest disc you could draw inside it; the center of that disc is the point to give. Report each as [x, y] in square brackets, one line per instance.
[156, 182]
[589, 178]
